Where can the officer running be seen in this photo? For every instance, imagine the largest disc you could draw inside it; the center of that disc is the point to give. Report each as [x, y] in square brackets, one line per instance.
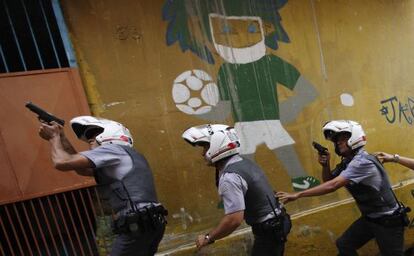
[244, 189]
[383, 217]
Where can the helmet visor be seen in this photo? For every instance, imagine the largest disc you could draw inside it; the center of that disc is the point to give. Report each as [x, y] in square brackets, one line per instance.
[329, 134]
[92, 132]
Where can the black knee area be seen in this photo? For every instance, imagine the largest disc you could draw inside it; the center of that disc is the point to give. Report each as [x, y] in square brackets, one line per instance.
[339, 243]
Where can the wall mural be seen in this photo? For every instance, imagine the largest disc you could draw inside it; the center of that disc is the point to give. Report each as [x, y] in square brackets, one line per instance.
[240, 32]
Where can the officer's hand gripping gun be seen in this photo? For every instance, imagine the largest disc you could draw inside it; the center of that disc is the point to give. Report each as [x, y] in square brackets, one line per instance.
[321, 149]
[43, 115]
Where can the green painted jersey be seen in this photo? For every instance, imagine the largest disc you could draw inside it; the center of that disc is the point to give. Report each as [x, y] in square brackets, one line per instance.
[252, 87]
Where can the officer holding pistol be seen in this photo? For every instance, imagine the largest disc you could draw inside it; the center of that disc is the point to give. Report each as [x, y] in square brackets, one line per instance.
[383, 217]
[123, 177]
[245, 191]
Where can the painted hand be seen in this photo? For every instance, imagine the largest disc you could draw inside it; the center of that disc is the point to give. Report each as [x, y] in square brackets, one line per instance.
[285, 197]
[201, 241]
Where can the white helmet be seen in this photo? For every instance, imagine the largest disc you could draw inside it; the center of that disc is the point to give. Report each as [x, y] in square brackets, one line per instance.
[112, 132]
[223, 140]
[358, 137]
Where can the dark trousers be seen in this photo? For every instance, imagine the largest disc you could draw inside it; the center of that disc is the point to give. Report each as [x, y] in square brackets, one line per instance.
[268, 246]
[270, 236]
[390, 240]
[138, 243]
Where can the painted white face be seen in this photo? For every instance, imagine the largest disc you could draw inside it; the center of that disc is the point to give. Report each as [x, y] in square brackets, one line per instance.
[238, 39]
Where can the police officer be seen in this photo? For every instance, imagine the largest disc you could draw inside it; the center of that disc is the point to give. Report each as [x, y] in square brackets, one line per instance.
[365, 178]
[244, 189]
[123, 177]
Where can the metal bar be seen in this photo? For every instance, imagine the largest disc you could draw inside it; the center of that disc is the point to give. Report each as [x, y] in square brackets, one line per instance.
[14, 231]
[22, 229]
[39, 226]
[1, 249]
[32, 34]
[31, 230]
[50, 33]
[47, 225]
[4, 59]
[64, 223]
[14, 35]
[93, 207]
[73, 223]
[7, 237]
[101, 209]
[99, 201]
[56, 223]
[91, 202]
[81, 222]
[87, 214]
[64, 33]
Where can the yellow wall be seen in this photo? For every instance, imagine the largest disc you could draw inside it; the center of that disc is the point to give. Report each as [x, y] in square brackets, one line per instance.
[313, 233]
[363, 48]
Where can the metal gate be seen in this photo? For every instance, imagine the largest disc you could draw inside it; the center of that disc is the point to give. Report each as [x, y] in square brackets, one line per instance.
[69, 223]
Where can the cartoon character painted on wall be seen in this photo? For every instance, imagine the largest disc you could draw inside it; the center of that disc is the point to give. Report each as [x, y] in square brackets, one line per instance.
[239, 31]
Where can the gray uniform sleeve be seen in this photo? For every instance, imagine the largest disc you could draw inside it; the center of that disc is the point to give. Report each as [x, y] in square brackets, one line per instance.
[105, 156]
[360, 169]
[232, 188]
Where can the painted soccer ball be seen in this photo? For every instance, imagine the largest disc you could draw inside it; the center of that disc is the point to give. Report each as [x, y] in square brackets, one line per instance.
[194, 92]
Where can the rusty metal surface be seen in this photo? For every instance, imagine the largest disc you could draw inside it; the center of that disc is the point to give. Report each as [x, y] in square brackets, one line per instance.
[26, 168]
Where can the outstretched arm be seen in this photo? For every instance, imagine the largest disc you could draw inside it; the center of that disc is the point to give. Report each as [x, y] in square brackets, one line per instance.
[227, 225]
[386, 158]
[324, 188]
[305, 93]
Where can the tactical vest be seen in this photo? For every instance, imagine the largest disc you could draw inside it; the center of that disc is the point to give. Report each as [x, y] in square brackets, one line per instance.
[368, 199]
[137, 186]
[258, 191]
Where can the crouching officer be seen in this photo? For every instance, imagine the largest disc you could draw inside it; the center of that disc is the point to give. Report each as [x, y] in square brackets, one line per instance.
[383, 217]
[244, 189]
[123, 176]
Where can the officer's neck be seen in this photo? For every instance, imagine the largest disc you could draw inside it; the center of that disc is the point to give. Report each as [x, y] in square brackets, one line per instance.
[350, 154]
[220, 164]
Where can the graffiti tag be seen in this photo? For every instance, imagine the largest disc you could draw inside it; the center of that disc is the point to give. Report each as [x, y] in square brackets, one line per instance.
[395, 110]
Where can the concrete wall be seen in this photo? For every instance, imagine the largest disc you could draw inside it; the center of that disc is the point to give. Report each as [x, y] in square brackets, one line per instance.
[356, 55]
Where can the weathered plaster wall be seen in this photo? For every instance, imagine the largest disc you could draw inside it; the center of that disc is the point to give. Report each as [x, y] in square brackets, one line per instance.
[357, 55]
[314, 232]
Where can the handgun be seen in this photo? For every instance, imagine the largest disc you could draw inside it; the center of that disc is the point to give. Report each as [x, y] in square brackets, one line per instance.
[43, 115]
[321, 149]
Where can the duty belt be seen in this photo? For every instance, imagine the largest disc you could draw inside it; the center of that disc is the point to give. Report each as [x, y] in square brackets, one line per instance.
[395, 220]
[140, 220]
[278, 227]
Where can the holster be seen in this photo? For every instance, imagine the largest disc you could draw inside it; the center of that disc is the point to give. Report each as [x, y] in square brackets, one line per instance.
[397, 219]
[141, 220]
[278, 227]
